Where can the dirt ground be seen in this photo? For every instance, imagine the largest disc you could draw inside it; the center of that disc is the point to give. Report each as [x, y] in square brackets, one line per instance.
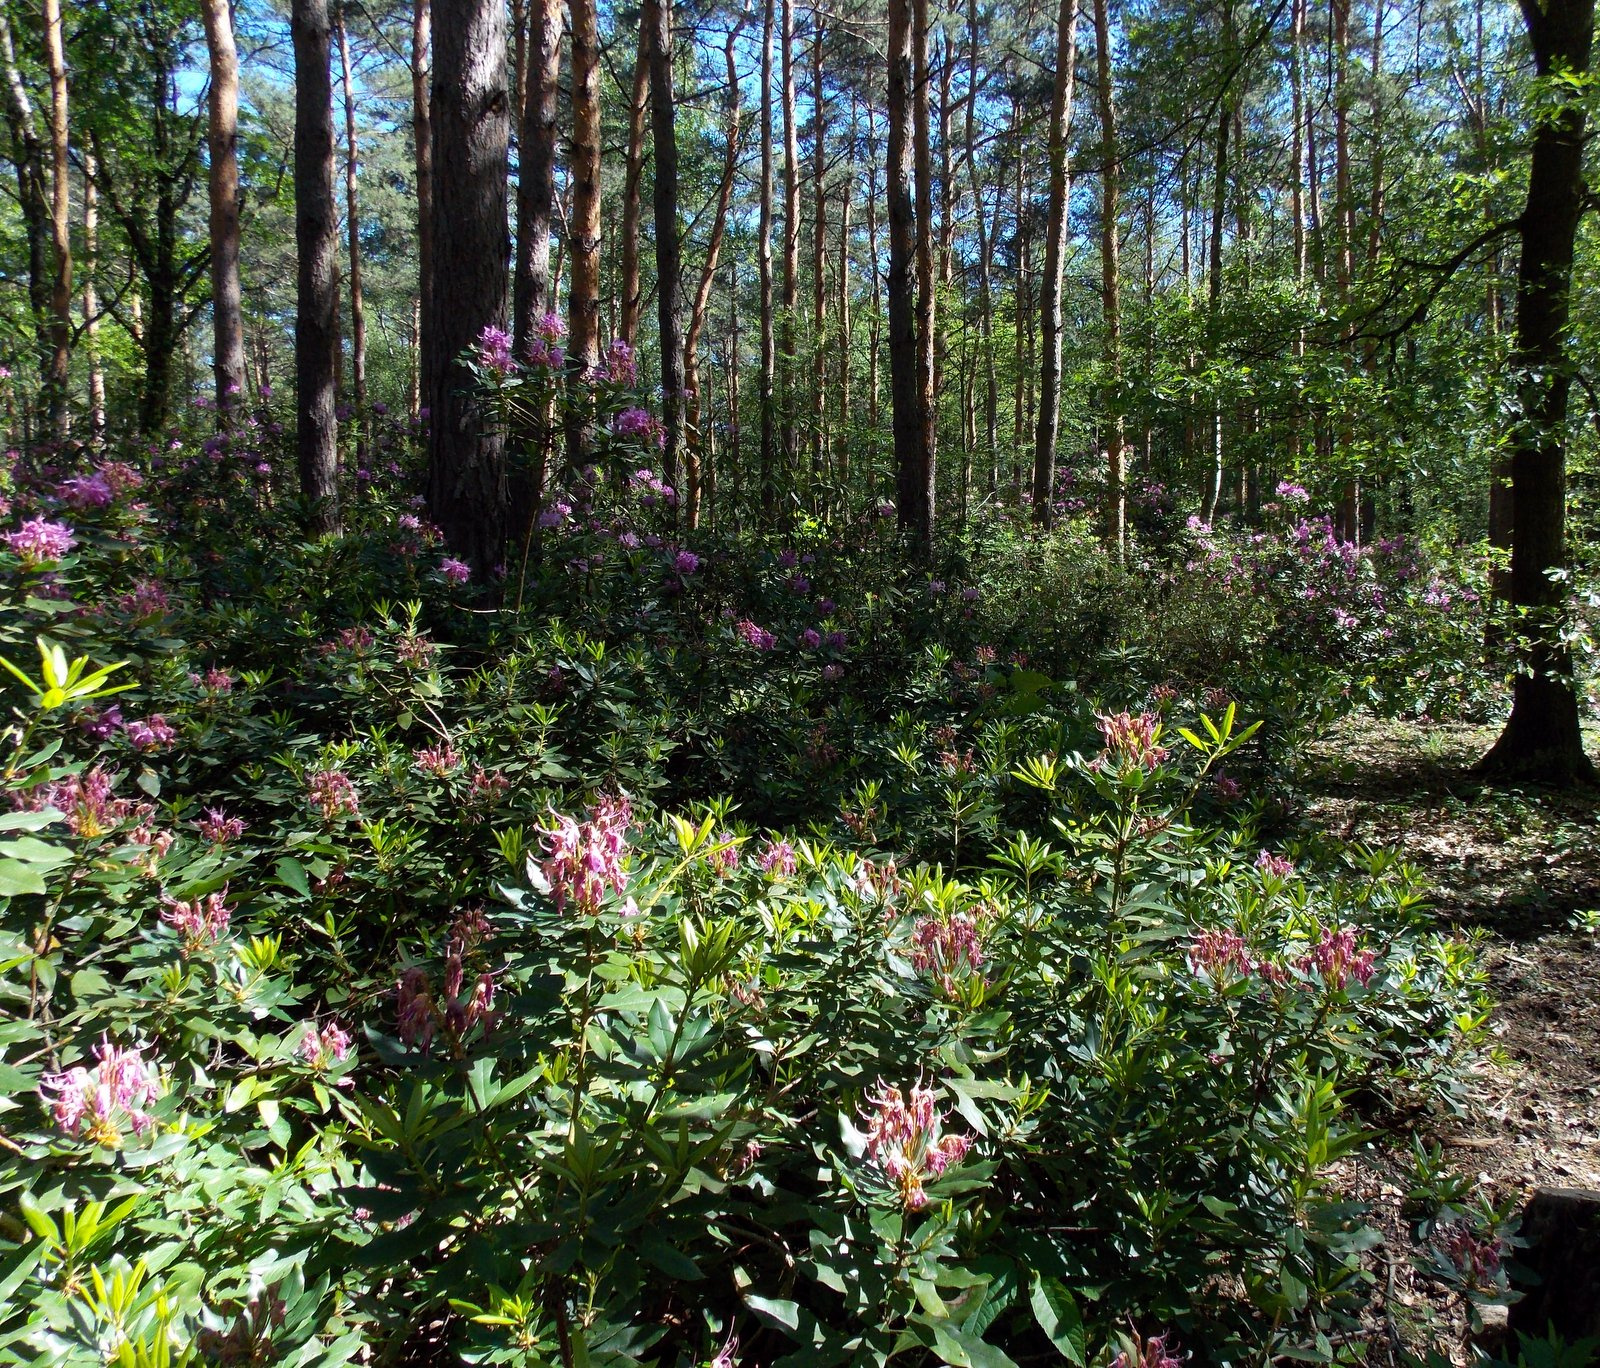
[1521, 865]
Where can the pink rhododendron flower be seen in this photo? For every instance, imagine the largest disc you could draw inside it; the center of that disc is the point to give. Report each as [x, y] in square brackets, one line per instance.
[777, 857]
[95, 1104]
[220, 829]
[200, 921]
[1155, 1355]
[904, 1139]
[948, 950]
[438, 760]
[1220, 955]
[320, 1049]
[39, 540]
[1337, 960]
[494, 350]
[150, 733]
[332, 791]
[1277, 866]
[457, 572]
[585, 859]
[1130, 741]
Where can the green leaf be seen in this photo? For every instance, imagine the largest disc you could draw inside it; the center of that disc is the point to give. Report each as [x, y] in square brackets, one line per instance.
[1058, 1316]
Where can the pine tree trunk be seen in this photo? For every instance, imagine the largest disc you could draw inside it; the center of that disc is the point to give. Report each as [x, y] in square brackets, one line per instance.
[629, 288]
[788, 349]
[316, 332]
[1111, 287]
[819, 238]
[694, 438]
[1542, 740]
[352, 218]
[768, 399]
[472, 241]
[911, 490]
[1050, 320]
[422, 138]
[536, 176]
[91, 303]
[658, 35]
[927, 399]
[583, 229]
[59, 376]
[33, 198]
[222, 141]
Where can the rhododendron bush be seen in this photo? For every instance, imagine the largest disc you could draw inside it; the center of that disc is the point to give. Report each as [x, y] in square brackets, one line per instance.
[728, 954]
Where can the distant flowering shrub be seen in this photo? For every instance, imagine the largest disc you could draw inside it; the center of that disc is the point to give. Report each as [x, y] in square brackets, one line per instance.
[1131, 741]
[333, 793]
[457, 572]
[585, 860]
[200, 920]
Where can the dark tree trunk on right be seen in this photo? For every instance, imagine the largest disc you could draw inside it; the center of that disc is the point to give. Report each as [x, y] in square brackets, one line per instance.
[1542, 740]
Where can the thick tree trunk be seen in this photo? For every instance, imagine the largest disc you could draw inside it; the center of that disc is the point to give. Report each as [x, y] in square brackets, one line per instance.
[583, 228]
[316, 330]
[472, 240]
[658, 36]
[875, 325]
[222, 140]
[422, 138]
[1055, 236]
[1542, 740]
[59, 375]
[769, 441]
[352, 219]
[991, 392]
[1111, 286]
[1219, 205]
[913, 488]
[694, 438]
[633, 174]
[536, 176]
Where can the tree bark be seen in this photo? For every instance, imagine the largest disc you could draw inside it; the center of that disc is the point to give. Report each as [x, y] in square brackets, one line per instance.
[422, 139]
[1050, 321]
[316, 331]
[638, 102]
[694, 443]
[819, 238]
[583, 229]
[1111, 287]
[927, 399]
[222, 138]
[91, 303]
[536, 176]
[32, 196]
[789, 358]
[1542, 740]
[472, 237]
[352, 218]
[59, 375]
[912, 488]
[768, 380]
[658, 36]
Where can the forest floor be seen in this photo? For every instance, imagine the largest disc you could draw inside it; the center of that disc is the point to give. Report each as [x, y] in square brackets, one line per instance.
[1520, 865]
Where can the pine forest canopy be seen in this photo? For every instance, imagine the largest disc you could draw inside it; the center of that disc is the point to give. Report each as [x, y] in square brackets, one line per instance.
[1091, 260]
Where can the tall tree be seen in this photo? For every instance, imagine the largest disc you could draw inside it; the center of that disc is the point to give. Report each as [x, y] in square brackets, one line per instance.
[536, 177]
[316, 329]
[658, 31]
[352, 221]
[1542, 740]
[91, 303]
[583, 231]
[1111, 286]
[789, 351]
[769, 440]
[422, 142]
[927, 283]
[1055, 236]
[222, 145]
[472, 246]
[913, 468]
[33, 199]
[59, 374]
[630, 289]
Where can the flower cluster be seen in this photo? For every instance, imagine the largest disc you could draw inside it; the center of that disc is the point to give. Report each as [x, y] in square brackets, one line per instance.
[1155, 1355]
[544, 347]
[199, 920]
[639, 425]
[97, 1103]
[150, 733]
[1475, 1257]
[456, 571]
[1221, 955]
[777, 857]
[326, 1047]
[438, 760]
[39, 541]
[905, 1141]
[219, 828]
[85, 800]
[419, 1015]
[621, 365]
[1336, 958]
[494, 350]
[584, 859]
[948, 949]
[753, 635]
[1275, 866]
[333, 793]
[1130, 741]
